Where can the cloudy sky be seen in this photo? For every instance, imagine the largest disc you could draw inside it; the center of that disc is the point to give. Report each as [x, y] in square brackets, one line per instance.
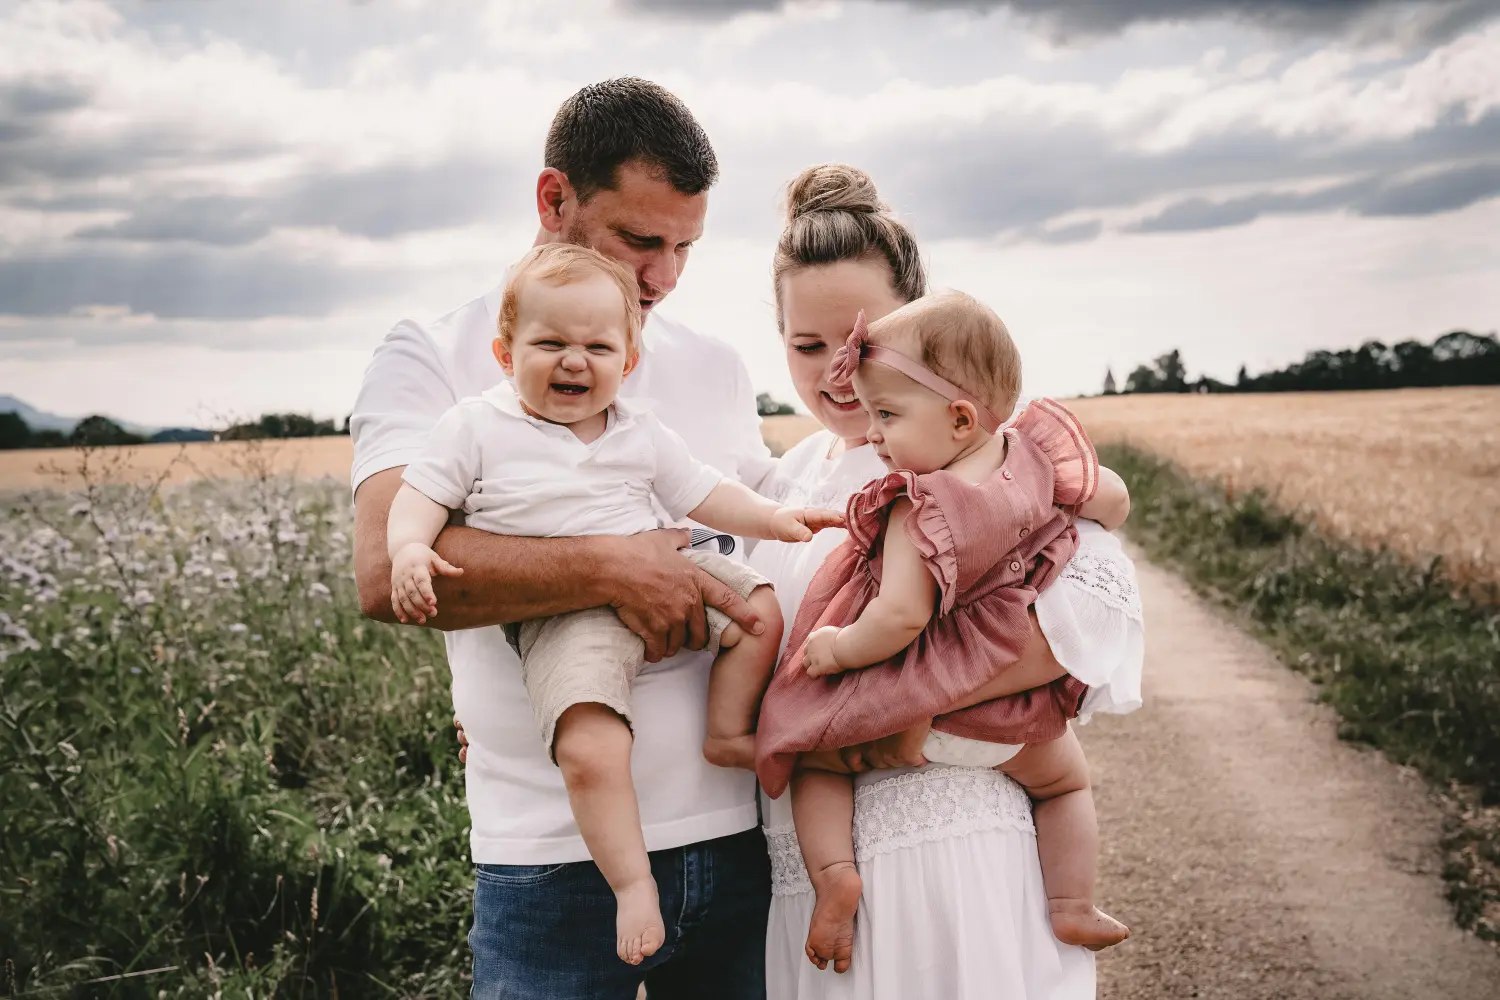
[219, 208]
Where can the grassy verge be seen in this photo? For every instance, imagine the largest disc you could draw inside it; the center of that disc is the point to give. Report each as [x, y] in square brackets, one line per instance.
[215, 778]
[1410, 667]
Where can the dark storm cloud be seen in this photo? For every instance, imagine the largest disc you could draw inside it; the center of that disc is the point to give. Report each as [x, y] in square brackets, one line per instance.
[1430, 194]
[376, 204]
[1442, 18]
[200, 284]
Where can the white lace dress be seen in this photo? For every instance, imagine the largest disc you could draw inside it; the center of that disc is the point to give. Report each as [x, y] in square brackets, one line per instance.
[953, 903]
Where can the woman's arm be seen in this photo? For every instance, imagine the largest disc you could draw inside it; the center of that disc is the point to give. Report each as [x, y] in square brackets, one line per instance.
[1110, 505]
[1037, 667]
[889, 623]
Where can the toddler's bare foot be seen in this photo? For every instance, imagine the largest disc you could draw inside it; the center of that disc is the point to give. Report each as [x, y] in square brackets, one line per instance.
[730, 751]
[1076, 921]
[830, 938]
[639, 931]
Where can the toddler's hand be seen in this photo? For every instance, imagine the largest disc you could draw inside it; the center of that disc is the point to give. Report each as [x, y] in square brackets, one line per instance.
[411, 582]
[799, 524]
[817, 655]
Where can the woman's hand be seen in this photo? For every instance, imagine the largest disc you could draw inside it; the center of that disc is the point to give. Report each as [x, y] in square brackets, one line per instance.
[817, 656]
[463, 741]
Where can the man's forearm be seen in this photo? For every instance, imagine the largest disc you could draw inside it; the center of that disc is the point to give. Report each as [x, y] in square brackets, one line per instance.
[510, 579]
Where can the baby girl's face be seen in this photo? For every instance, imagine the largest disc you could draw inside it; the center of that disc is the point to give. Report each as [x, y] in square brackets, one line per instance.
[571, 350]
[911, 426]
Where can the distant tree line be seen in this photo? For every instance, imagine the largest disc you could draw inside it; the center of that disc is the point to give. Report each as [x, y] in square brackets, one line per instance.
[768, 406]
[1458, 358]
[97, 430]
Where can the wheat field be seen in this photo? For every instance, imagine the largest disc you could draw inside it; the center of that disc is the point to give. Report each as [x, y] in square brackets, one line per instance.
[1417, 470]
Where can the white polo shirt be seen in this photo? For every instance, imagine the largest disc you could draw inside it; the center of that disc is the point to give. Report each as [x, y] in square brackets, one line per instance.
[697, 387]
[513, 474]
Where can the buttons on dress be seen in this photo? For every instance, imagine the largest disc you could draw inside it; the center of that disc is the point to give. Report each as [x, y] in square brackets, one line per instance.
[1015, 567]
[1005, 474]
[1025, 532]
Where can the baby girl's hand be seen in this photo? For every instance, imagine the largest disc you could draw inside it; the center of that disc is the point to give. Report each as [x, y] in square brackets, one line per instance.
[799, 524]
[817, 655]
[411, 582]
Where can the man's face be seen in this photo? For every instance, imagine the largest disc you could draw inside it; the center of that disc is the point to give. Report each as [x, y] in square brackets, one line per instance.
[643, 222]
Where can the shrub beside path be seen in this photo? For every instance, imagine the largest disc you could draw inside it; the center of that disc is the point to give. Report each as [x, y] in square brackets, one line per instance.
[1254, 854]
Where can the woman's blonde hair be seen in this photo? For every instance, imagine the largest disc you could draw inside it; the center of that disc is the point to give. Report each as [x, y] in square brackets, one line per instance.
[961, 339]
[564, 264]
[834, 213]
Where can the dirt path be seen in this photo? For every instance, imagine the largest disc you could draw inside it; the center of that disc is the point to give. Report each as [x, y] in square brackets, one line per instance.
[1254, 854]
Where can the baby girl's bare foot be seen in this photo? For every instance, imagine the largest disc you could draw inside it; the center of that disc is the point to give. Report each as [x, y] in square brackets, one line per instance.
[830, 938]
[1076, 921]
[730, 751]
[639, 931]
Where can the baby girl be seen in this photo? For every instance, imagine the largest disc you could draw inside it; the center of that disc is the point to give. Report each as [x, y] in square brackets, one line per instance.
[554, 453]
[927, 605]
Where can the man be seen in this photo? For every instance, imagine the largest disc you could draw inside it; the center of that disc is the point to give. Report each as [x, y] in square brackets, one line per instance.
[627, 172]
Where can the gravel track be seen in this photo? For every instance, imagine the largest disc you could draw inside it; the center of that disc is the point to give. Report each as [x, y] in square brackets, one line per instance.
[1253, 853]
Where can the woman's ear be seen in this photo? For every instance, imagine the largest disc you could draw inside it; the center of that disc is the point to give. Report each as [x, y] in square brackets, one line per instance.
[502, 355]
[553, 192]
[965, 417]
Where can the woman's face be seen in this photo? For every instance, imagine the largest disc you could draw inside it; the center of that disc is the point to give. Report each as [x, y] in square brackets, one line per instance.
[818, 309]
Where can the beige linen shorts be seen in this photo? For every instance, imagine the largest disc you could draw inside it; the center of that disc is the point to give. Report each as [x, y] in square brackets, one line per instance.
[590, 656]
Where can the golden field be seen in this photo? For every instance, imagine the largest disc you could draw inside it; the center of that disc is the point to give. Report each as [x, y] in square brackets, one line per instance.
[176, 463]
[1417, 470]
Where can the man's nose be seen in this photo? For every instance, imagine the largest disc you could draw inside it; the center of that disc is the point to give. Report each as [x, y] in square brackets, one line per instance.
[658, 275]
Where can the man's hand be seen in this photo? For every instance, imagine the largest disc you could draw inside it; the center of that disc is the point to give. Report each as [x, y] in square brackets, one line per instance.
[799, 524]
[899, 750]
[818, 658]
[660, 596]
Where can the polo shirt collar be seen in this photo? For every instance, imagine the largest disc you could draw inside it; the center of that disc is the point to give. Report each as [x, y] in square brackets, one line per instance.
[504, 397]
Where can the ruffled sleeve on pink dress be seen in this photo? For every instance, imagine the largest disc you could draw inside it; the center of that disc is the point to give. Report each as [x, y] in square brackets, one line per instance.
[991, 547]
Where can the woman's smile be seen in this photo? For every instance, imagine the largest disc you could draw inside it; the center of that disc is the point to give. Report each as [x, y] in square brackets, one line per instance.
[844, 402]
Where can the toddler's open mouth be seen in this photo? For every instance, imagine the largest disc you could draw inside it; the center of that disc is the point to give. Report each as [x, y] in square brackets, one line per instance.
[569, 389]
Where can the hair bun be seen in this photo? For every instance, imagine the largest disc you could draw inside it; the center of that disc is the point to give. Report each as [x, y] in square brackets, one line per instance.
[833, 187]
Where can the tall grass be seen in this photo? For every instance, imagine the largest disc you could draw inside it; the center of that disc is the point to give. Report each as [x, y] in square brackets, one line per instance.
[1411, 666]
[215, 778]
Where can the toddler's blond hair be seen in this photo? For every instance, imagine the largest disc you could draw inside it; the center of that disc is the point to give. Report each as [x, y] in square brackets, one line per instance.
[961, 339]
[564, 264]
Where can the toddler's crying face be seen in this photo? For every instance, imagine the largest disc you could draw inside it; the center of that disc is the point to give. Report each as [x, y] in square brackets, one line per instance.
[571, 349]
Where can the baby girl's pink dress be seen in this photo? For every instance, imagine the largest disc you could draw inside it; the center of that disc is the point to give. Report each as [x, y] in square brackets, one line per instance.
[991, 547]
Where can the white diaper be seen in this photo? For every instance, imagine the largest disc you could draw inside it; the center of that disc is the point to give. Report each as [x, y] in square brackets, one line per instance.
[945, 748]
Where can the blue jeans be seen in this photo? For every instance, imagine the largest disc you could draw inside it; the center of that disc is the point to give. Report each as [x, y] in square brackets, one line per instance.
[547, 932]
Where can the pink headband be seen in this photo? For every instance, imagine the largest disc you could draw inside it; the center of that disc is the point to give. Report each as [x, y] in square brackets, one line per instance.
[858, 348]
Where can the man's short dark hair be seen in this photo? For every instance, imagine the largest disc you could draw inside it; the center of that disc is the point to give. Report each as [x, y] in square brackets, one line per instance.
[611, 123]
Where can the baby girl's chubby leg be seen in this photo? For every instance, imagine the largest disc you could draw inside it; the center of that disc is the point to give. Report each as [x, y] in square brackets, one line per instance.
[592, 745]
[1056, 776]
[823, 812]
[740, 675]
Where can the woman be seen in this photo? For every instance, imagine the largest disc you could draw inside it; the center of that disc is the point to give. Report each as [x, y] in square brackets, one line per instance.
[953, 903]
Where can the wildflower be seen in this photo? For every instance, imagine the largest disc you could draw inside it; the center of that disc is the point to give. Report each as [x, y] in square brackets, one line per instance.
[239, 628]
[319, 589]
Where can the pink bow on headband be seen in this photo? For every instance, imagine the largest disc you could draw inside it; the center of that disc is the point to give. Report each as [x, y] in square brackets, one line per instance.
[846, 358]
[858, 348]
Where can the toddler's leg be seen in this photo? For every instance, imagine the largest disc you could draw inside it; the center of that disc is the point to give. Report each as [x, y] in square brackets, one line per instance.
[592, 745]
[740, 675]
[1056, 776]
[823, 811]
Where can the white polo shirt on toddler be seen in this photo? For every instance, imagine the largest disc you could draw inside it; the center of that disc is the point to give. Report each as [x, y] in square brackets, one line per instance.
[699, 389]
[514, 474]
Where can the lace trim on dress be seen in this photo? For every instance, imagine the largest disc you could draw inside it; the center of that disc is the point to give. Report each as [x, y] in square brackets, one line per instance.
[907, 810]
[788, 873]
[1110, 580]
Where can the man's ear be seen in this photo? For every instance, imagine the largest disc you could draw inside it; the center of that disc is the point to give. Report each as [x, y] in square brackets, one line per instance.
[553, 193]
[965, 417]
[502, 355]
